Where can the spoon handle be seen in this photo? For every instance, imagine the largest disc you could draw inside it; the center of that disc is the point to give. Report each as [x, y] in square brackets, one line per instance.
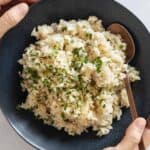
[133, 110]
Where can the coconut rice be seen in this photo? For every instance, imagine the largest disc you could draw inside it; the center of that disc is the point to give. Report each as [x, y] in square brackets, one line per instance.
[74, 76]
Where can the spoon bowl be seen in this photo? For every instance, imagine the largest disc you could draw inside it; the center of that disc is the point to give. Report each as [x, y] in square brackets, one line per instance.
[117, 28]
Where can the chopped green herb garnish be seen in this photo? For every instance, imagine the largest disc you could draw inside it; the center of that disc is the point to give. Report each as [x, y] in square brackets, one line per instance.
[98, 64]
[46, 83]
[33, 74]
[34, 54]
[89, 35]
[121, 46]
[80, 57]
[86, 59]
[56, 47]
[32, 59]
[52, 122]
[64, 28]
[65, 106]
[63, 116]
[37, 64]
[76, 51]
[49, 67]
[104, 105]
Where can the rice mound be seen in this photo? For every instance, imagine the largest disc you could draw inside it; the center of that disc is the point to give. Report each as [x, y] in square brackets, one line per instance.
[74, 76]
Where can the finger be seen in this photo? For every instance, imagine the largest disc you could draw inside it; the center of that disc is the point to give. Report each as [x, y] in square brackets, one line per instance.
[12, 17]
[110, 148]
[2, 2]
[133, 135]
[146, 137]
[146, 134]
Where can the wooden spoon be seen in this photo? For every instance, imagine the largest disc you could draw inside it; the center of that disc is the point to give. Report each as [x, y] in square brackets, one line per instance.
[130, 52]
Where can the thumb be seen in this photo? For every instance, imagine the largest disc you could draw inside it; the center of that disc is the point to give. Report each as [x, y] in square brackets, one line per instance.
[12, 17]
[133, 135]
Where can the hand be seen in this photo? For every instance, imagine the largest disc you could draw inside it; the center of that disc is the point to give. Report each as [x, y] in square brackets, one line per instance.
[13, 16]
[133, 136]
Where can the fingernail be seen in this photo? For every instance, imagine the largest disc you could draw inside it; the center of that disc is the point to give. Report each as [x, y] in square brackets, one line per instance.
[140, 123]
[23, 8]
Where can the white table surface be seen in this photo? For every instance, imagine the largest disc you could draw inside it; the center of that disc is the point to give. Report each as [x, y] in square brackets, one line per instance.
[9, 140]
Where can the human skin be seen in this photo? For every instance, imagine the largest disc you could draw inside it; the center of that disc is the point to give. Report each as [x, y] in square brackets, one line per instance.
[14, 15]
[134, 132]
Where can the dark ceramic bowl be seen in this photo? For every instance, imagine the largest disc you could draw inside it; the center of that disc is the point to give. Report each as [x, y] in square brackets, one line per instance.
[12, 46]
